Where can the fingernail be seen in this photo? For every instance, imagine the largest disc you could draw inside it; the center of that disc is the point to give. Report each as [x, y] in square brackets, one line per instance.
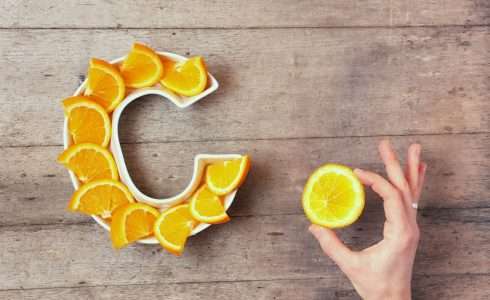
[358, 171]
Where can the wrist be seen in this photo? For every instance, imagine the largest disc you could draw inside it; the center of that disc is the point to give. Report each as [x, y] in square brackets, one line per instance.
[394, 294]
[404, 294]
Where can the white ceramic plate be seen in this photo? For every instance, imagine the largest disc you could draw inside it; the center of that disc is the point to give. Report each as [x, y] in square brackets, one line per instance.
[200, 161]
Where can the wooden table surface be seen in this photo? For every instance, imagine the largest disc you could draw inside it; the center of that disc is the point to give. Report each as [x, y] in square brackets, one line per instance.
[302, 83]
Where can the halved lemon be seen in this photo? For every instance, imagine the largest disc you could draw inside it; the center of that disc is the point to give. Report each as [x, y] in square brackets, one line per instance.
[105, 84]
[142, 67]
[207, 207]
[226, 176]
[89, 162]
[100, 197]
[173, 227]
[188, 78]
[88, 122]
[333, 196]
[132, 222]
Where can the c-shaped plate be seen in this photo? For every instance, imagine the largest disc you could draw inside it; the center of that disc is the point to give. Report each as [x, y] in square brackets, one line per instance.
[200, 161]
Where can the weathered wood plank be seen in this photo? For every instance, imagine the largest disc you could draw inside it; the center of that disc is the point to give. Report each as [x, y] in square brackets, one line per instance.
[277, 83]
[247, 248]
[329, 288]
[336, 287]
[34, 189]
[465, 286]
[236, 13]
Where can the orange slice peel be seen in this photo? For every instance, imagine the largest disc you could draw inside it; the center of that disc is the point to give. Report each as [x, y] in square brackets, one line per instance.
[142, 67]
[105, 84]
[188, 78]
[225, 176]
[88, 122]
[132, 222]
[173, 227]
[207, 207]
[100, 197]
[89, 162]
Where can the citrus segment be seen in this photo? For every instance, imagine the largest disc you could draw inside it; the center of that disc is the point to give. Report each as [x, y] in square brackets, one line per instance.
[100, 197]
[207, 207]
[89, 162]
[88, 122]
[142, 67]
[132, 222]
[226, 176]
[188, 78]
[168, 64]
[173, 227]
[105, 84]
[333, 196]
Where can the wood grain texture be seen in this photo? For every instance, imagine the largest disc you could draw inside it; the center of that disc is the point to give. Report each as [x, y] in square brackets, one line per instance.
[35, 190]
[247, 248]
[469, 286]
[276, 83]
[333, 287]
[236, 13]
[302, 83]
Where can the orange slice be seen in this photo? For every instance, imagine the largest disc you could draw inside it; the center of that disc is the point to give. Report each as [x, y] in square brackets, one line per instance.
[173, 227]
[88, 122]
[207, 207]
[132, 222]
[226, 176]
[100, 197]
[333, 196]
[188, 78]
[168, 63]
[105, 84]
[142, 67]
[89, 162]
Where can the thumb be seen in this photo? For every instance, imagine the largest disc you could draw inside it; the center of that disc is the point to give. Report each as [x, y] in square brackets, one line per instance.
[333, 246]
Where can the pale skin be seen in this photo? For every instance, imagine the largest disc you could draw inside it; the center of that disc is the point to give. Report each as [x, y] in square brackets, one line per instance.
[384, 270]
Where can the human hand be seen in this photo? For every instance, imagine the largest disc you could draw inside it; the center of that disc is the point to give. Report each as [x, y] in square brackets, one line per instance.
[384, 270]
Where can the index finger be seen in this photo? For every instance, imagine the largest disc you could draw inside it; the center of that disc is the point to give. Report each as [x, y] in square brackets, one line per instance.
[392, 200]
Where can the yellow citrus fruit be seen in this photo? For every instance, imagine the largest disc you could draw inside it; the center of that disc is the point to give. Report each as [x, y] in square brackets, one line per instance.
[89, 162]
[188, 78]
[173, 227]
[100, 197]
[333, 196]
[105, 84]
[88, 122]
[132, 222]
[207, 207]
[142, 67]
[226, 176]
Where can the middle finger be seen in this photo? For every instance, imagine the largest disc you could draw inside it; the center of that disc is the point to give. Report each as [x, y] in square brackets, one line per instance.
[394, 170]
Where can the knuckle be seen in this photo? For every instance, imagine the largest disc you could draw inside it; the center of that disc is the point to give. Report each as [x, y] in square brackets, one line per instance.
[351, 266]
[405, 187]
[397, 194]
[409, 238]
[378, 179]
[404, 243]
